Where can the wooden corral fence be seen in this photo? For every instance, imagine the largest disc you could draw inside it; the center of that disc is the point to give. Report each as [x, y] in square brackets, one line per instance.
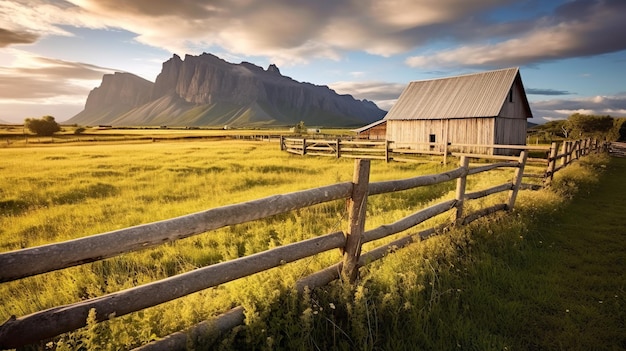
[41, 326]
[552, 158]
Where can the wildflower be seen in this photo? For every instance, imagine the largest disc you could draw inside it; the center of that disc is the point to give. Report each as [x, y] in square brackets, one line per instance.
[332, 305]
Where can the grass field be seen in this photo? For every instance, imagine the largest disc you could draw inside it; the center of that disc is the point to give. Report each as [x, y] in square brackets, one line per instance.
[49, 194]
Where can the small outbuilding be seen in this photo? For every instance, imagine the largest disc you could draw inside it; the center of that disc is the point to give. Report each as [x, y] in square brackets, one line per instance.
[373, 131]
[486, 108]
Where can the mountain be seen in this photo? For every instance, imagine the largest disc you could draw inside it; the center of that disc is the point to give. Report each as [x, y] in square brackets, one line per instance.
[205, 90]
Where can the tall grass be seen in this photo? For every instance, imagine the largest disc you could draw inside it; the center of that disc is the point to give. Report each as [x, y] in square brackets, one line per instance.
[54, 194]
[409, 300]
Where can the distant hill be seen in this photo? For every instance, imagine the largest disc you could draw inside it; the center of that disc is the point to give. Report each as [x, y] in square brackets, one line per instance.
[208, 91]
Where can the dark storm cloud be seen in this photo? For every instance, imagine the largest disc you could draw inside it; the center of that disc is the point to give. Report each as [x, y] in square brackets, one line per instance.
[552, 92]
[576, 29]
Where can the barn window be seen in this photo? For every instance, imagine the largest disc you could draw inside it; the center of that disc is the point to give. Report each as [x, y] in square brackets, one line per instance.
[511, 95]
[432, 139]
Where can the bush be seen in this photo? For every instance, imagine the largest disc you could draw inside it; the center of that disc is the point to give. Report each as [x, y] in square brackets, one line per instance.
[79, 131]
[46, 126]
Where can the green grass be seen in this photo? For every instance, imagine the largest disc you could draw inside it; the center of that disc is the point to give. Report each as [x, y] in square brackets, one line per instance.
[485, 286]
[545, 277]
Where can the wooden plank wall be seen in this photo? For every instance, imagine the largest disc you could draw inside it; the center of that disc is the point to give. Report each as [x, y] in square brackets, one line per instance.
[406, 133]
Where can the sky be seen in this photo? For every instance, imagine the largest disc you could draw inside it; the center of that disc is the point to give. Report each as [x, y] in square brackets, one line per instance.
[571, 53]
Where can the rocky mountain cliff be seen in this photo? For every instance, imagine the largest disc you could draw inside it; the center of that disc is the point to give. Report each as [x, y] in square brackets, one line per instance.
[208, 91]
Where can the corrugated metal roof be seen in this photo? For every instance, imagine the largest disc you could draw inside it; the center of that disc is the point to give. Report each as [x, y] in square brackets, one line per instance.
[471, 95]
[369, 126]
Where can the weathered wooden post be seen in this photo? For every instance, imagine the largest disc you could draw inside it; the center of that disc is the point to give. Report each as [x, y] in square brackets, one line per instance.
[460, 188]
[551, 164]
[568, 153]
[517, 180]
[282, 143]
[303, 146]
[338, 152]
[357, 204]
[387, 144]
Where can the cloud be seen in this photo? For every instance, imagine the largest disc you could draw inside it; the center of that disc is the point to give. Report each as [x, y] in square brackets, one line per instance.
[383, 94]
[35, 78]
[614, 106]
[283, 30]
[9, 37]
[578, 28]
[297, 31]
[533, 91]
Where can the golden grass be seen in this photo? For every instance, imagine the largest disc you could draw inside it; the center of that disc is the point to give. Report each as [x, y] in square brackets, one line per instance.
[51, 194]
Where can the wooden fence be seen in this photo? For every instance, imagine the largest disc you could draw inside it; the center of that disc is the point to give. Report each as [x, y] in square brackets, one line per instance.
[46, 324]
[617, 149]
[552, 158]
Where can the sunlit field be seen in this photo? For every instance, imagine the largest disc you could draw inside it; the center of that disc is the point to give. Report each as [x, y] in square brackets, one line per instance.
[55, 194]
[51, 194]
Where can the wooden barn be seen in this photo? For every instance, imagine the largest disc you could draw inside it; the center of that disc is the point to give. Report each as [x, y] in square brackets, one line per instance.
[483, 108]
[373, 131]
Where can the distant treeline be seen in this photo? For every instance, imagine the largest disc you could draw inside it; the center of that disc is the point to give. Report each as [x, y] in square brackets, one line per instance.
[581, 126]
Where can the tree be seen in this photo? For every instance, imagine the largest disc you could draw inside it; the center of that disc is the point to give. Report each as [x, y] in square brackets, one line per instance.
[552, 128]
[581, 125]
[46, 126]
[300, 128]
[619, 130]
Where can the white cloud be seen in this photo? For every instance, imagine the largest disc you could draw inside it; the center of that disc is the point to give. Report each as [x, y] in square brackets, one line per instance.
[383, 94]
[571, 112]
[614, 105]
[39, 83]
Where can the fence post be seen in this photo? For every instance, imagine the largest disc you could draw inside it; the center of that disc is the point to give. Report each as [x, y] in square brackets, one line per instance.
[581, 148]
[303, 146]
[338, 152]
[517, 180]
[460, 188]
[357, 205]
[387, 143]
[568, 153]
[551, 164]
[282, 143]
[445, 153]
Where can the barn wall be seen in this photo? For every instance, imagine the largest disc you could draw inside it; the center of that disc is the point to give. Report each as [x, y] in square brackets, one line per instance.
[409, 133]
[510, 132]
[515, 109]
[378, 132]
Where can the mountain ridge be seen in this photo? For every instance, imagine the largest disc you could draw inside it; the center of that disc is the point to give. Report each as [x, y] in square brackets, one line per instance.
[206, 90]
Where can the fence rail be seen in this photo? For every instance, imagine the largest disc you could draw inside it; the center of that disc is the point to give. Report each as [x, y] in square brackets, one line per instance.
[566, 151]
[42, 325]
[618, 149]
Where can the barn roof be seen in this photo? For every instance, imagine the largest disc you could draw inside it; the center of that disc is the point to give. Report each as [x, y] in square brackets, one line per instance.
[466, 96]
[369, 126]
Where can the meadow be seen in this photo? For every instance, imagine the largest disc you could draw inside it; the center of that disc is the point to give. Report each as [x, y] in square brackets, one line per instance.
[50, 194]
